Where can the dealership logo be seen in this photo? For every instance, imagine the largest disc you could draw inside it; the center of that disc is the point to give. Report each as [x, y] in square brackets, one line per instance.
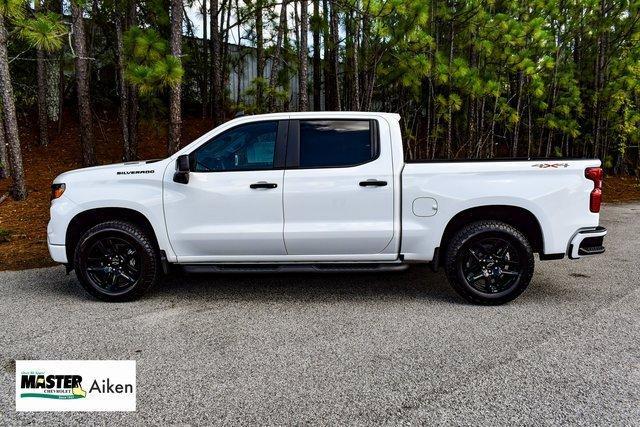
[75, 385]
[52, 386]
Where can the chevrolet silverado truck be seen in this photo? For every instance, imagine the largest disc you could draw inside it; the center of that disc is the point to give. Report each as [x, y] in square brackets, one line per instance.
[321, 192]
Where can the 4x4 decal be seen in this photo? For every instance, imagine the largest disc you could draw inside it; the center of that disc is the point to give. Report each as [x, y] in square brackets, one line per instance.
[550, 165]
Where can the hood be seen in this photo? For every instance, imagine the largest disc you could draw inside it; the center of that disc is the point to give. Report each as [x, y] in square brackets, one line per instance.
[113, 171]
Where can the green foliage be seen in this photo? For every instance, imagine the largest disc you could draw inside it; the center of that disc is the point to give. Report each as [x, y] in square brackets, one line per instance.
[149, 66]
[474, 78]
[13, 9]
[513, 75]
[45, 31]
[281, 95]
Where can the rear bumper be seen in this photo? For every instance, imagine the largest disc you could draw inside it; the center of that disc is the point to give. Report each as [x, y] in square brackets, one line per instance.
[589, 241]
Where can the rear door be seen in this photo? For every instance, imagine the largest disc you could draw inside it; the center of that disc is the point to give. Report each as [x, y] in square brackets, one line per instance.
[338, 190]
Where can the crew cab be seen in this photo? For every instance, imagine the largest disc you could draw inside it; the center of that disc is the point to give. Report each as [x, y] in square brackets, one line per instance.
[321, 192]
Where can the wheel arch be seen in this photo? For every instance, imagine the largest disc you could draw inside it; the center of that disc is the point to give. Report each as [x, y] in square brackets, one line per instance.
[88, 218]
[516, 216]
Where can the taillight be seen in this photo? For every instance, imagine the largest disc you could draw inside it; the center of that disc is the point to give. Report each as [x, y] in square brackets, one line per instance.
[596, 175]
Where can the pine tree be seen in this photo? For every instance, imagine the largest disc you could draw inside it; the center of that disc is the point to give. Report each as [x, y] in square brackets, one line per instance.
[43, 119]
[9, 10]
[82, 85]
[303, 100]
[175, 111]
[277, 56]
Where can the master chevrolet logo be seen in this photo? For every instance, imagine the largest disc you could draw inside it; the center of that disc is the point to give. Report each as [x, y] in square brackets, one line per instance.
[135, 172]
[52, 386]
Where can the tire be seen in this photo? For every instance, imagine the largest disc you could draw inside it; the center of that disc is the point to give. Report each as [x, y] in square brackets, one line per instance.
[489, 262]
[116, 261]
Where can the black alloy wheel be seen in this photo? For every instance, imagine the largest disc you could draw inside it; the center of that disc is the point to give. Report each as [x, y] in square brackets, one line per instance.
[491, 265]
[113, 264]
[117, 261]
[489, 262]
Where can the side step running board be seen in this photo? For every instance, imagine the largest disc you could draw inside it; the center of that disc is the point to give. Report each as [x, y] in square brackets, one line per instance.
[291, 268]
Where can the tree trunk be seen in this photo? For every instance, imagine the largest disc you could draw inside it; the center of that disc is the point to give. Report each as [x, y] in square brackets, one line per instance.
[303, 99]
[529, 129]
[132, 90]
[449, 143]
[492, 131]
[368, 71]
[275, 61]
[481, 136]
[351, 76]
[317, 72]
[260, 60]
[241, 61]
[19, 188]
[516, 130]
[175, 116]
[598, 79]
[216, 74]
[224, 81]
[133, 121]
[355, 63]
[4, 162]
[205, 61]
[61, 87]
[335, 58]
[43, 119]
[329, 96]
[124, 93]
[82, 84]
[551, 102]
[59, 8]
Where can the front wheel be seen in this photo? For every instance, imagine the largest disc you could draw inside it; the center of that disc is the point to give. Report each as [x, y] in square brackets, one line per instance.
[489, 262]
[116, 261]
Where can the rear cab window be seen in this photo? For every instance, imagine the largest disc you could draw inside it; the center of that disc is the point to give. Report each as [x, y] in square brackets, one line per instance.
[337, 142]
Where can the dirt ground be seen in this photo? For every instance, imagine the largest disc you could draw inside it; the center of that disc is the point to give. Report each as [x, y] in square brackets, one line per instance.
[23, 236]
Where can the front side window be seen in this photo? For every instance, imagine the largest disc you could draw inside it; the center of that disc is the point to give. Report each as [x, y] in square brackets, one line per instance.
[246, 147]
[330, 143]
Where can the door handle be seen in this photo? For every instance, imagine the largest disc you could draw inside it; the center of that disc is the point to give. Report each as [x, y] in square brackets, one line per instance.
[373, 183]
[263, 184]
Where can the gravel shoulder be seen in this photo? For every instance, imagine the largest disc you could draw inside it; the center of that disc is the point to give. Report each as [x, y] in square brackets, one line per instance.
[358, 349]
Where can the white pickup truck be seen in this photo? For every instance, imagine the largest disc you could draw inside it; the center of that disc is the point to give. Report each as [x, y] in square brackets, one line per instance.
[325, 192]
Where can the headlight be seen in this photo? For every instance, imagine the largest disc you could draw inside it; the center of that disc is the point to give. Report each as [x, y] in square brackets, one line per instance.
[57, 190]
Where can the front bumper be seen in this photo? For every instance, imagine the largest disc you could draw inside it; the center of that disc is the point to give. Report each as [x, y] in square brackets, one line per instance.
[587, 242]
[58, 252]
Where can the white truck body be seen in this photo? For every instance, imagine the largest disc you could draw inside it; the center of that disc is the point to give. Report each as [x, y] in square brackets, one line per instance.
[324, 214]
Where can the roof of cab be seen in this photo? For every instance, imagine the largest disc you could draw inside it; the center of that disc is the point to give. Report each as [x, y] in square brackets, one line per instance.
[319, 114]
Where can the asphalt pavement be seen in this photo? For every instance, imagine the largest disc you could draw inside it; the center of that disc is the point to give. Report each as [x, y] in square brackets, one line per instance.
[394, 348]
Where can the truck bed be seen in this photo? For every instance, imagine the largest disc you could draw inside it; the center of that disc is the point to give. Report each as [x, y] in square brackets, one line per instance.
[555, 191]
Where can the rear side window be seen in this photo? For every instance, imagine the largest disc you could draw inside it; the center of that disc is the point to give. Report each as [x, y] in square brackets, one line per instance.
[330, 143]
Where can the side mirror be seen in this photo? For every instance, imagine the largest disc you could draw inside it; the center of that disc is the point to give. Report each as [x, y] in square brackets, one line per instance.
[182, 169]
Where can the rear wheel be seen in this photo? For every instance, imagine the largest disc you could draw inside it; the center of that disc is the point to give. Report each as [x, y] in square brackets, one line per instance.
[489, 262]
[116, 261]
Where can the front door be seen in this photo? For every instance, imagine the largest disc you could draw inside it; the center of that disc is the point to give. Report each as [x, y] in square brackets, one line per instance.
[231, 208]
[338, 199]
